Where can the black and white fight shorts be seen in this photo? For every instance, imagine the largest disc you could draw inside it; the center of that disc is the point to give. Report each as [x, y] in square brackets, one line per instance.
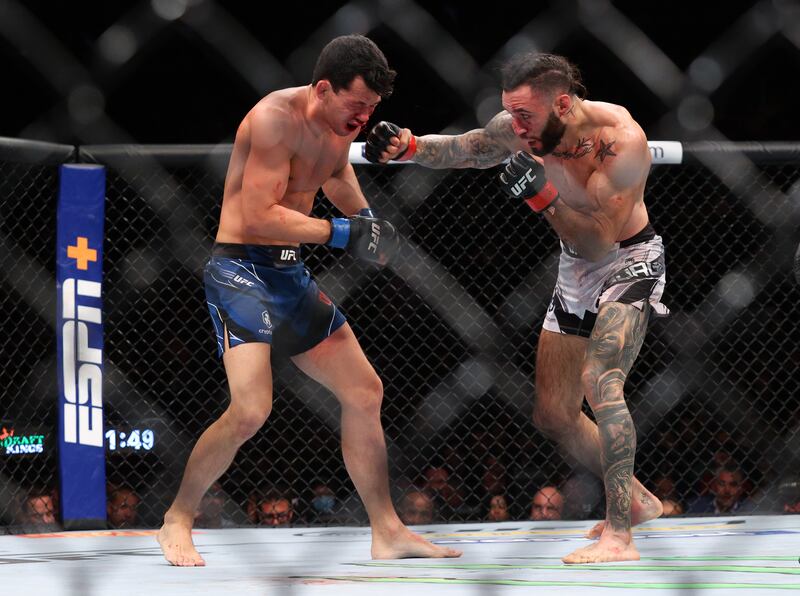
[634, 272]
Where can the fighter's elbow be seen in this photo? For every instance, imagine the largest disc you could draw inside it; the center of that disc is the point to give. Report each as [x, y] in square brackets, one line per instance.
[260, 220]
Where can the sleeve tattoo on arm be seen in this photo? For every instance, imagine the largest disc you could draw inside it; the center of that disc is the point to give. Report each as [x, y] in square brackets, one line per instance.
[480, 148]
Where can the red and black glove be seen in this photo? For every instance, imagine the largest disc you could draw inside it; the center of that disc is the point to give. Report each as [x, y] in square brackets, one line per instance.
[524, 178]
[379, 140]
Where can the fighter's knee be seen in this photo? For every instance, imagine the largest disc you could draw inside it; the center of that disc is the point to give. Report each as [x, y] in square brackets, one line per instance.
[367, 394]
[601, 383]
[551, 423]
[589, 382]
[247, 421]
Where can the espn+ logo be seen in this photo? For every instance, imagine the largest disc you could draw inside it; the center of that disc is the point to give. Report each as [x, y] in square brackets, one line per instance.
[83, 375]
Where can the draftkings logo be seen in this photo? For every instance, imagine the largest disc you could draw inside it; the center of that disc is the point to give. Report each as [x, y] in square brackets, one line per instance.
[83, 375]
[15, 444]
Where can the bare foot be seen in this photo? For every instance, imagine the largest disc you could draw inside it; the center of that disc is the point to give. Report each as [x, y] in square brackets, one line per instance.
[175, 539]
[405, 544]
[611, 547]
[644, 508]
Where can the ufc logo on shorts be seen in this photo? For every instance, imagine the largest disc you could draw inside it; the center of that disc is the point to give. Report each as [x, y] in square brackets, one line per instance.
[376, 238]
[83, 377]
[242, 280]
[288, 255]
[523, 182]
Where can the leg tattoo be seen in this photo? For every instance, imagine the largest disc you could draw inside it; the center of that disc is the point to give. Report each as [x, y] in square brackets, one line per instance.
[615, 342]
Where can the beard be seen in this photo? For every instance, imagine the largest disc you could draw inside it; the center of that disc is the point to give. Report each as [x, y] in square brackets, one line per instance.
[551, 135]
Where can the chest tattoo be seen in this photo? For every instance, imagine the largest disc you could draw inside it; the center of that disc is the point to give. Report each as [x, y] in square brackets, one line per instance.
[605, 150]
[582, 147]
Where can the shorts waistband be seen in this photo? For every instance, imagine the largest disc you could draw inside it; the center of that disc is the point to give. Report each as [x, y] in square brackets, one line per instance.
[260, 254]
[646, 233]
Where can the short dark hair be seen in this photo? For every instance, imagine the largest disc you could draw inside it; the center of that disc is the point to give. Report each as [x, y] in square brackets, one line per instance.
[546, 72]
[731, 467]
[349, 56]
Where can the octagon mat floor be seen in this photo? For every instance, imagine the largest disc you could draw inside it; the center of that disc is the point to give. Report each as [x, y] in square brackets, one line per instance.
[741, 555]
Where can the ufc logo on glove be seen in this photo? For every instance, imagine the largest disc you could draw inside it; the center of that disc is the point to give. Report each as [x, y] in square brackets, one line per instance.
[523, 182]
[376, 238]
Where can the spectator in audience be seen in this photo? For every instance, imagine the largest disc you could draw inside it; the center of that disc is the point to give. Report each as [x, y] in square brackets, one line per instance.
[417, 507]
[583, 497]
[726, 492]
[274, 509]
[122, 506]
[498, 509]
[664, 487]
[671, 507]
[449, 500]
[39, 509]
[324, 506]
[494, 476]
[211, 512]
[547, 504]
[720, 457]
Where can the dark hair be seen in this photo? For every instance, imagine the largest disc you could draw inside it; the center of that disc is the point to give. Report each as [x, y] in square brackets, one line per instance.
[731, 467]
[272, 495]
[505, 498]
[547, 72]
[349, 56]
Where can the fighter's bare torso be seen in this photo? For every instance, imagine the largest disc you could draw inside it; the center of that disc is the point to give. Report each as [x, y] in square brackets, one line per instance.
[309, 150]
[609, 142]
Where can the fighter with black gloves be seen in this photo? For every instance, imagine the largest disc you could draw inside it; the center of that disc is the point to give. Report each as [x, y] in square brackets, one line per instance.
[611, 272]
[524, 178]
[365, 236]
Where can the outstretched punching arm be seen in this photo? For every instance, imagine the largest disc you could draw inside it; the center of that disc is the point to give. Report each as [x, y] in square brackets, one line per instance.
[480, 148]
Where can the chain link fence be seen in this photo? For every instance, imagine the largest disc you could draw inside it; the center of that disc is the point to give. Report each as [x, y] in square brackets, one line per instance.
[451, 327]
[28, 464]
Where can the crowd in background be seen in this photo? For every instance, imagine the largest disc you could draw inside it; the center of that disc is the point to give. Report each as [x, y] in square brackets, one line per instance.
[438, 496]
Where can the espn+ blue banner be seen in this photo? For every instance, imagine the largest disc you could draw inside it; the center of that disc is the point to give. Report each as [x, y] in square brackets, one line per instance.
[79, 263]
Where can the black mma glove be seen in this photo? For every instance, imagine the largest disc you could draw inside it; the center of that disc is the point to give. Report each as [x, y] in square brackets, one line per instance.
[378, 142]
[365, 236]
[524, 178]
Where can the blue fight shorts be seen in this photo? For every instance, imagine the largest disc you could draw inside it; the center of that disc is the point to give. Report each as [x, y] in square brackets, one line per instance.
[265, 294]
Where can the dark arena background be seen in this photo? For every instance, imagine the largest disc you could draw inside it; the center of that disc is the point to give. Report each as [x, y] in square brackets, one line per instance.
[153, 91]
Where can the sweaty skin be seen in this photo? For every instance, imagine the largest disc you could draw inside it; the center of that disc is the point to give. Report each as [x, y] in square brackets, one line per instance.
[293, 142]
[600, 167]
[282, 155]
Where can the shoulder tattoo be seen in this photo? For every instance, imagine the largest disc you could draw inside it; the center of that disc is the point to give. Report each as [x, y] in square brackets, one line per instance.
[605, 150]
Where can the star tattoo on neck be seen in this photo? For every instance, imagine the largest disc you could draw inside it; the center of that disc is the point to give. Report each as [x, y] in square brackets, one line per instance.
[605, 150]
